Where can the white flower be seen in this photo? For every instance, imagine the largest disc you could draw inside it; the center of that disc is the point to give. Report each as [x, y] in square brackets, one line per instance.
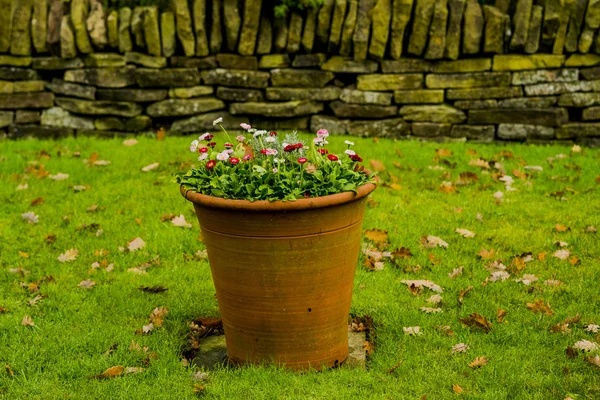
[240, 138]
[270, 139]
[228, 151]
[318, 141]
[349, 143]
[285, 144]
[271, 152]
[279, 160]
[259, 133]
[217, 121]
[251, 130]
[204, 136]
[350, 152]
[222, 156]
[30, 217]
[246, 126]
[202, 156]
[194, 146]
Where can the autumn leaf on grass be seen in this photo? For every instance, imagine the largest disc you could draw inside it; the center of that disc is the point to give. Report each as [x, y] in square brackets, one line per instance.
[447, 187]
[486, 254]
[500, 314]
[478, 362]
[586, 345]
[68, 256]
[430, 242]
[135, 244]
[590, 229]
[465, 233]
[561, 327]
[460, 348]
[27, 321]
[87, 284]
[372, 264]
[37, 201]
[588, 328]
[368, 348]
[466, 178]
[150, 167]
[30, 217]
[594, 360]
[412, 330]
[3, 310]
[463, 293]
[34, 302]
[181, 222]
[527, 279]
[481, 163]
[476, 320]
[377, 236]
[167, 217]
[59, 177]
[499, 276]
[435, 299]
[431, 310]
[158, 315]
[540, 307]
[112, 372]
[423, 283]
[402, 252]
[561, 228]
[457, 389]
[130, 142]
[376, 165]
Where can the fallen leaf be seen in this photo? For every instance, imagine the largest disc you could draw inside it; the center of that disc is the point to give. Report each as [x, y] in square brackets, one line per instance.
[377, 236]
[30, 217]
[9, 370]
[463, 293]
[160, 134]
[37, 201]
[135, 244]
[477, 321]
[447, 187]
[542, 256]
[527, 279]
[592, 328]
[500, 314]
[561, 254]
[571, 352]
[446, 329]
[50, 239]
[181, 222]
[590, 229]
[435, 299]
[534, 168]
[130, 142]
[112, 372]
[150, 167]
[402, 252]
[87, 284]
[586, 345]
[167, 217]
[499, 276]
[456, 272]
[481, 163]
[460, 348]
[158, 315]
[376, 165]
[368, 347]
[3, 310]
[22, 186]
[423, 283]
[133, 370]
[561, 327]
[59, 177]
[412, 330]
[198, 388]
[478, 362]
[574, 260]
[486, 254]
[80, 188]
[23, 254]
[457, 389]
[594, 360]
[465, 233]
[540, 307]
[431, 310]
[68, 256]
[27, 321]
[430, 242]
[34, 302]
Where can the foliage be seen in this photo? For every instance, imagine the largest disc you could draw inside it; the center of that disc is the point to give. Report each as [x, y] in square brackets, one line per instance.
[266, 168]
[284, 6]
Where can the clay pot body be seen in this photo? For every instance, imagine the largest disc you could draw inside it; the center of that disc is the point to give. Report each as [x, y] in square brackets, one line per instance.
[283, 273]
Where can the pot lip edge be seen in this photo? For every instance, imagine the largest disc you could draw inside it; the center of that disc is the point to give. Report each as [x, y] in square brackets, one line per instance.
[279, 205]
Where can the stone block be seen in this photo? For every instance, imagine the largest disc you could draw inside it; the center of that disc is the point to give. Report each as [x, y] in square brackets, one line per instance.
[549, 89]
[56, 63]
[59, 118]
[475, 104]
[204, 122]
[18, 74]
[462, 66]
[138, 124]
[529, 102]
[184, 26]
[522, 132]
[112, 29]
[28, 86]
[348, 65]
[405, 65]
[168, 77]
[26, 100]
[453, 35]
[502, 92]
[473, 27]
[437, 31]
[522, 16]
[109, 124]
[88, 107]
[250, 24]
[234, 61]
[285, 109]
[6, 24]
[495, 29]
[309, 60]
[96, 24]
[137, 26]
[535, 30]
[125, 42]
[27, 117]
[347, 29]
[68, 48]
[145, 60]
[362, 29]
[419, 96]
[591, 114]
[475, 133]
[380, 28]
[151, 31]
[58, 86]
[55, 16]
[6, 118]
[579, 99]
[38, 132]
[209, 62]
[295, 32]
[578, 130]
[429, 129]
[545, 117]
[269, 61]
[7, 87]
[545, 75]
[337, 24]
[379, 82]
[264, 43]
[420, 30]
[281, 34]
[79, 14]
[582, 60]
[327, 93]
[102, 77]
[239, 95]
[365, 97]
[184, 107]
[168, 33]
[232, 22]
[515, 62]
[104, 60]
[20, 43]
[310, 28]
[389, 127]
[15, 61]
[300, 77]
[190, 92]
[345, 110]
[333, 125]
[468, 80]
[401, 14]
[298, 123]
[136, 95]
[236, 78]
[432, 113]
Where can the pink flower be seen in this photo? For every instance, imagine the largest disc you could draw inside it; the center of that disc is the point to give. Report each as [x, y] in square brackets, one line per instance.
[205, 136]
[240, 138]
[222, 156]
[234, 160]
[247, 157]
[302, 160]
[211, 164]
[271, 152]
[332, 157]
[228, 145]
[275, 170]
[228, 151]
[203, 156]
[194, 146]
[246, 126]
[323, 132]
[350, 152]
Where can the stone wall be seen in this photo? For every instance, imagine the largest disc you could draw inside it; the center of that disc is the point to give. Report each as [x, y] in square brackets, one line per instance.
[435, 69]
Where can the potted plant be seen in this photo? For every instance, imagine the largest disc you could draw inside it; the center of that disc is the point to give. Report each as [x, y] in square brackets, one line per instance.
[282, 224]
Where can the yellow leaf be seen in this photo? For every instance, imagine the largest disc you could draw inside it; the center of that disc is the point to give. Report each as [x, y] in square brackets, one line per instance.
[377, 235]
[478, 362]
[457, 389]
[23, 254]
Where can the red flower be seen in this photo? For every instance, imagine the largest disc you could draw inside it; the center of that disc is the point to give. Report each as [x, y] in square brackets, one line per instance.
[203, 150]
[211, 164]
[234, 160]
[228, 145]
[211, 144]
[298, 146]
[356, 157]
[289, 147]
[323, 151]
[273, 133]
[208, 137]
[263, 151]
[332, 157]
[302, 160]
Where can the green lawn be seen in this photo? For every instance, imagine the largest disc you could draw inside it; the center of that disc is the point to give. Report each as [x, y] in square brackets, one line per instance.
[75, 327]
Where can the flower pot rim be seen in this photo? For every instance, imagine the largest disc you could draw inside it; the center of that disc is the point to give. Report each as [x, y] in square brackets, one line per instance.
[278, 205]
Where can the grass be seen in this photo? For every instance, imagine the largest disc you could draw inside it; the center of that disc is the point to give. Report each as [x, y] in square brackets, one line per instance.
[74, 327]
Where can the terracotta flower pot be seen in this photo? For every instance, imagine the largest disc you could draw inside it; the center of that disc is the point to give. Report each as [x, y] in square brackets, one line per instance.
[284, 273]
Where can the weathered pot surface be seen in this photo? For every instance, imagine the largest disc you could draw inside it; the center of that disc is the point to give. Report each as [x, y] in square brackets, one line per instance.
[284, 273]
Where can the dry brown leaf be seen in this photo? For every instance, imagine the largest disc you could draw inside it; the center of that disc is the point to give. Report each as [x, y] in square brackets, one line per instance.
[37, 201]
[447, 187]
[540, 307]
[133, 370]
[402, 252]
[481, 163]
[561, 228]
[574, 260]
[130, 142]
[430, 242]
[376, 165]
[3, 310]
[561, 254]
[423, 283]
[412, 330]
[87, 284]
[478, 362]
[111, 372]
[136, 244]
[460, 348]
[68, 256]
[431, 310]
[456, 272]
[586, 346]
[477, 321]
[150, 167]
[446, 329]
[368, 348]
[486, 254]
[561, 327]
[377, 236]
[160, 134]
[594, 360]
[167, 217]
[23, 254]
[465, 233]
[463, 293]
[457, 389]
[500, 315]
[27, 321]
[181, 222]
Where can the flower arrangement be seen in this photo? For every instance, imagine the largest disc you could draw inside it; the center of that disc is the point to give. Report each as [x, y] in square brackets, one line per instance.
[262, 166]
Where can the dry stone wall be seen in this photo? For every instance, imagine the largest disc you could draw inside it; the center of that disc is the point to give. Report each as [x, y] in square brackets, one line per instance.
[432, 69]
